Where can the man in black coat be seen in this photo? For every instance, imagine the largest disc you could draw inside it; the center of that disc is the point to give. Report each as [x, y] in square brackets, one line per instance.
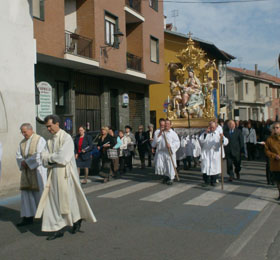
[142, 142]
[150, 135]
[233, 149]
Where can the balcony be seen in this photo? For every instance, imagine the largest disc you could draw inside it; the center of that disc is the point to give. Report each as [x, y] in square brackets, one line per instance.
[134, 62]
[134, 4]
[133, 11]
[78, 45]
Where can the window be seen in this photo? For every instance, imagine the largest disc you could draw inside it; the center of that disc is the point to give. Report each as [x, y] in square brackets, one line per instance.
[60, 93]
[246, 88]
[38, 9]
[224, 90]
[278, 92]
[110, 29]
[154, 4]
[154, 50]
[221, 90]
[266, 91]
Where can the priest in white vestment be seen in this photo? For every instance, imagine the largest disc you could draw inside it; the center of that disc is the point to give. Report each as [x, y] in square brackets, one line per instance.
[164, 163]
[33, 174]
[210, 142]
[63, 202]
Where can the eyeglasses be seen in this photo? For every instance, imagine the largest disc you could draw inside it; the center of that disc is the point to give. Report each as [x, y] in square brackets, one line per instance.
[276, 127]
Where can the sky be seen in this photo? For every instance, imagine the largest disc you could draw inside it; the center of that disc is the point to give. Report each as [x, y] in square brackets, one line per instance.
[248, 31]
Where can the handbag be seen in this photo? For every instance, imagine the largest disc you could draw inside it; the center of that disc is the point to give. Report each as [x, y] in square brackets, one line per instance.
[95, 152]
[130, 147]
[112, 153]
[126, 153]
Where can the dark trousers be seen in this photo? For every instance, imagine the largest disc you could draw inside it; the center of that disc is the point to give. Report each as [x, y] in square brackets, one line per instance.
[142, 153]
[251, 149]
[122, 164]
[187, 162]
[232, 160]
[106, 167]
[128, 161]
[114, 165]
[209, 178]
[150, 156]
[269, 175]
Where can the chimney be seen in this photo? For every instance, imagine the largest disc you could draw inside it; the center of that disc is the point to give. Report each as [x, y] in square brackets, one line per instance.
[256, 69]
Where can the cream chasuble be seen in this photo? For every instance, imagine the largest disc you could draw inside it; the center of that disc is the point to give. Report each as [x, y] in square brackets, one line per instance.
[63, 201]
[30, 199]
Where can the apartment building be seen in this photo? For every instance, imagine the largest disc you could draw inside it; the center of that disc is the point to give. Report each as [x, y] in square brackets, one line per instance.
[96, 60]
[252, 94]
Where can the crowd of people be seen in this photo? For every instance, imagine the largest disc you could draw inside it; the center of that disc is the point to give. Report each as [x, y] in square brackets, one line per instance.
[50, 184]
[236, 139]
[115, 149]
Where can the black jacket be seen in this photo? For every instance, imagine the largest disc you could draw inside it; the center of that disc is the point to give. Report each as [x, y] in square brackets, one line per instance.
[86, 145]
[236, 143]
[108, 139]
[141, 140]
[148, 136]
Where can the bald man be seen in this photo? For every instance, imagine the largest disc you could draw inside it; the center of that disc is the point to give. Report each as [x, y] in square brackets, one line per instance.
[33, 174]
[233, 150]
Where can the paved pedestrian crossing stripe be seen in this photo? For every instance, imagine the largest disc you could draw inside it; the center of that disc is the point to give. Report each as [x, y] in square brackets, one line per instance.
[128, 190]
[210, 197]
[168, 193]
[255, 202]
[104, 186]
[258, 200]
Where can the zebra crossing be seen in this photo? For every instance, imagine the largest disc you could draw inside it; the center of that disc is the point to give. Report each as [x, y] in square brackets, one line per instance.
[256, 201]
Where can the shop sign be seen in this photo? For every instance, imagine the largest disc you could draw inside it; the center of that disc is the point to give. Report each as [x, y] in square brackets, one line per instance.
[125, 100]
[45, 107]
[68, 124]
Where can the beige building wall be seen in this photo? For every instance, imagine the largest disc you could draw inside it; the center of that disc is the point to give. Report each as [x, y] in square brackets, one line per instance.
[17, 104]
[251, 97]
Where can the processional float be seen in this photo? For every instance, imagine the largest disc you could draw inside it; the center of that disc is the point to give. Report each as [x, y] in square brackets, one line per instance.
[190, 105]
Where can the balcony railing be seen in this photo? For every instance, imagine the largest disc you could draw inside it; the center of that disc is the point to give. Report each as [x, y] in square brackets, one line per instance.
[134, 4]
[134, 62]
[78, 45]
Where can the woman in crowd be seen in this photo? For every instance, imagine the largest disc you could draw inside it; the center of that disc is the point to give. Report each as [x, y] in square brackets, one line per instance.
[83, 147]
[141, 138]
[125, 140]
[105, 142]
[251, 140]
[130, 146]
[115, 161]
[150, 134]
[272, 150]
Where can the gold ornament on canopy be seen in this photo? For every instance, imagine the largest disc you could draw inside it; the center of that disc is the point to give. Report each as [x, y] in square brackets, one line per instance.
[191, 92]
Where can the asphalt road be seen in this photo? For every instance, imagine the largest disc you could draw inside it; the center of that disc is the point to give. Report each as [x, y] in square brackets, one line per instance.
[140, 218]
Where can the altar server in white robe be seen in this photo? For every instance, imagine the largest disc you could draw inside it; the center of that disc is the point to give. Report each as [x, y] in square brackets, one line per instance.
[210, 142]
[157, 132]
[33, 174]
[63, 202]
[165, 140]
[181, 152]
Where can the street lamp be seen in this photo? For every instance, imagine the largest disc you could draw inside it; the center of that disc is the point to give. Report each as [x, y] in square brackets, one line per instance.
[118, 36]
